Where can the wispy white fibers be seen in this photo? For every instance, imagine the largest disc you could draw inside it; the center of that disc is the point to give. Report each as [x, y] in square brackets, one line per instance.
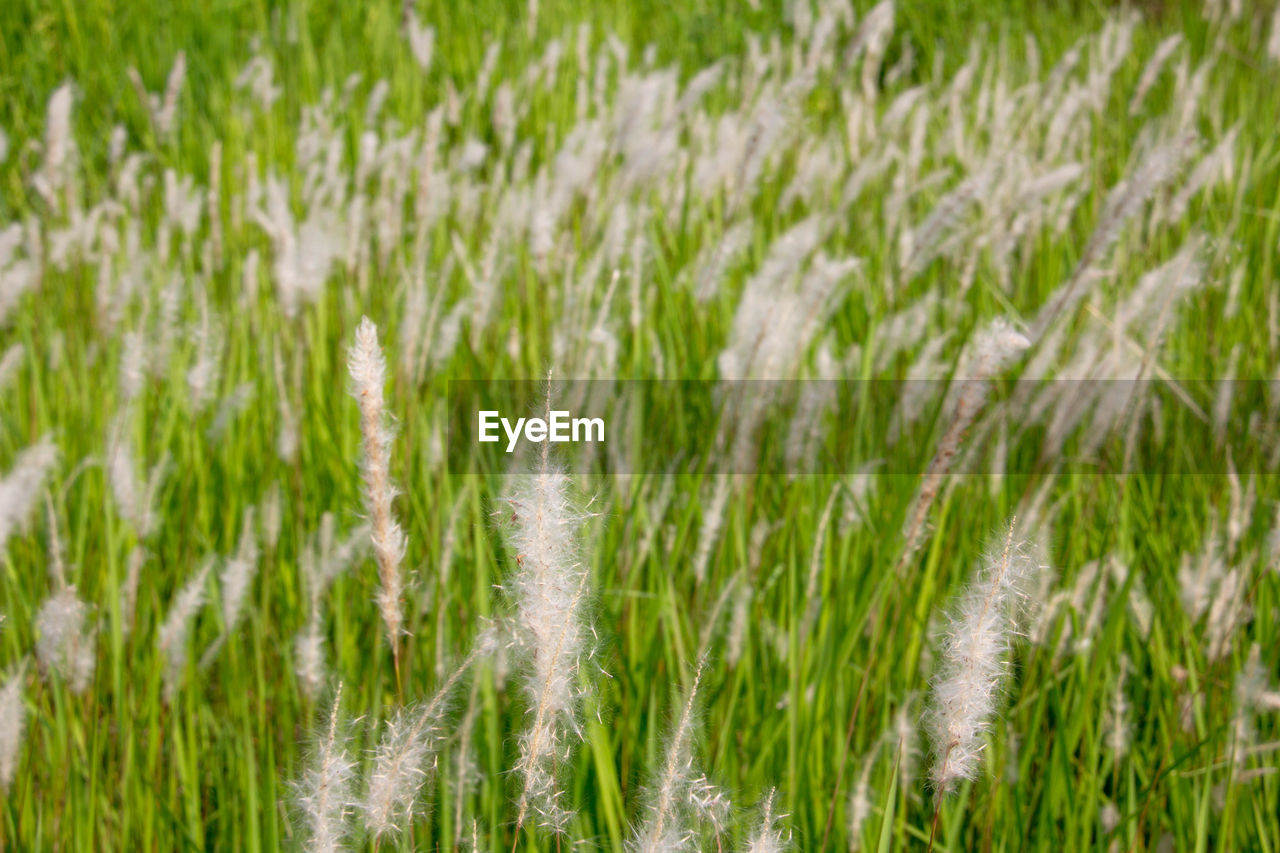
[1117, 714]
[368, 371]
[667, 828]
[234, 581]
[238, 573]
[406, 757]
[321, 563]
[859, 809]
[550, 589]
[58, 146]
[134, 497]
[21, 487]
[324, 794]
[1152, 71]
[974, 668]
[769, 837]
[167, 112]
[129, 592]
[1155, 169]
[13, 718]
[422, 41]
[1252, 696]
[17, 273]
[176, 630]
[991, 351]
[64, 645]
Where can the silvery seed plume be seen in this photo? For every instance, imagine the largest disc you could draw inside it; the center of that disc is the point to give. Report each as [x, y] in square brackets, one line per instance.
[667, 827]
[1230, 608]
[324, 793]
[321, 563]
[17, 274]
[308, 658]
[64, 645]
[1151, 71]
[974, 669]
[129, 591]
[1117, 713]
[57, 556]
[133, 496]
[991, 351]
[235, 579]
[238, 573]
[22, 486]
[13, 718]
[405, 758]
[167, 113]
[1125, 199]
[368, 372]
[768, 837]
[1253, 695]
[550, 590]
[58, 146]
[859, 808]
[175, 633]
[272, 517]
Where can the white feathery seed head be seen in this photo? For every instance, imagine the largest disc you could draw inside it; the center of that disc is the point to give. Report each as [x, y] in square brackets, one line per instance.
[58, 144]
[667, 827]
[324, 794]
[13, 718]
[859, 808]
[406, 757]
[175, 633]
[550, 590]
[974, 668]
[769, 837]
[64, 645]
[1253, 695]
[129, 591]
[57, 556]
[22, 485]
[308, 658]
[168, 111]
[368, 373]
[1117, 713]
[133, 364]
[238, 573]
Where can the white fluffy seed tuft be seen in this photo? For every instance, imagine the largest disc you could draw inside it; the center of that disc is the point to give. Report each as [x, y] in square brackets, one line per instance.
[368, 372]
[974, 667]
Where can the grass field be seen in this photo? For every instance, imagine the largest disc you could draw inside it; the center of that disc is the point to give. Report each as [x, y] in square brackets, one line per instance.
[959, 532]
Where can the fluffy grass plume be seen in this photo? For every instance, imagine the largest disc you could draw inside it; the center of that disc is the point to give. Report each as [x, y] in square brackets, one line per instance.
[679, 794]
[175, 633]
[13, 719]
[324, 794]
[22, 485]
[550, 589]
[974, 668]
[368, 372]
[406, 757]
